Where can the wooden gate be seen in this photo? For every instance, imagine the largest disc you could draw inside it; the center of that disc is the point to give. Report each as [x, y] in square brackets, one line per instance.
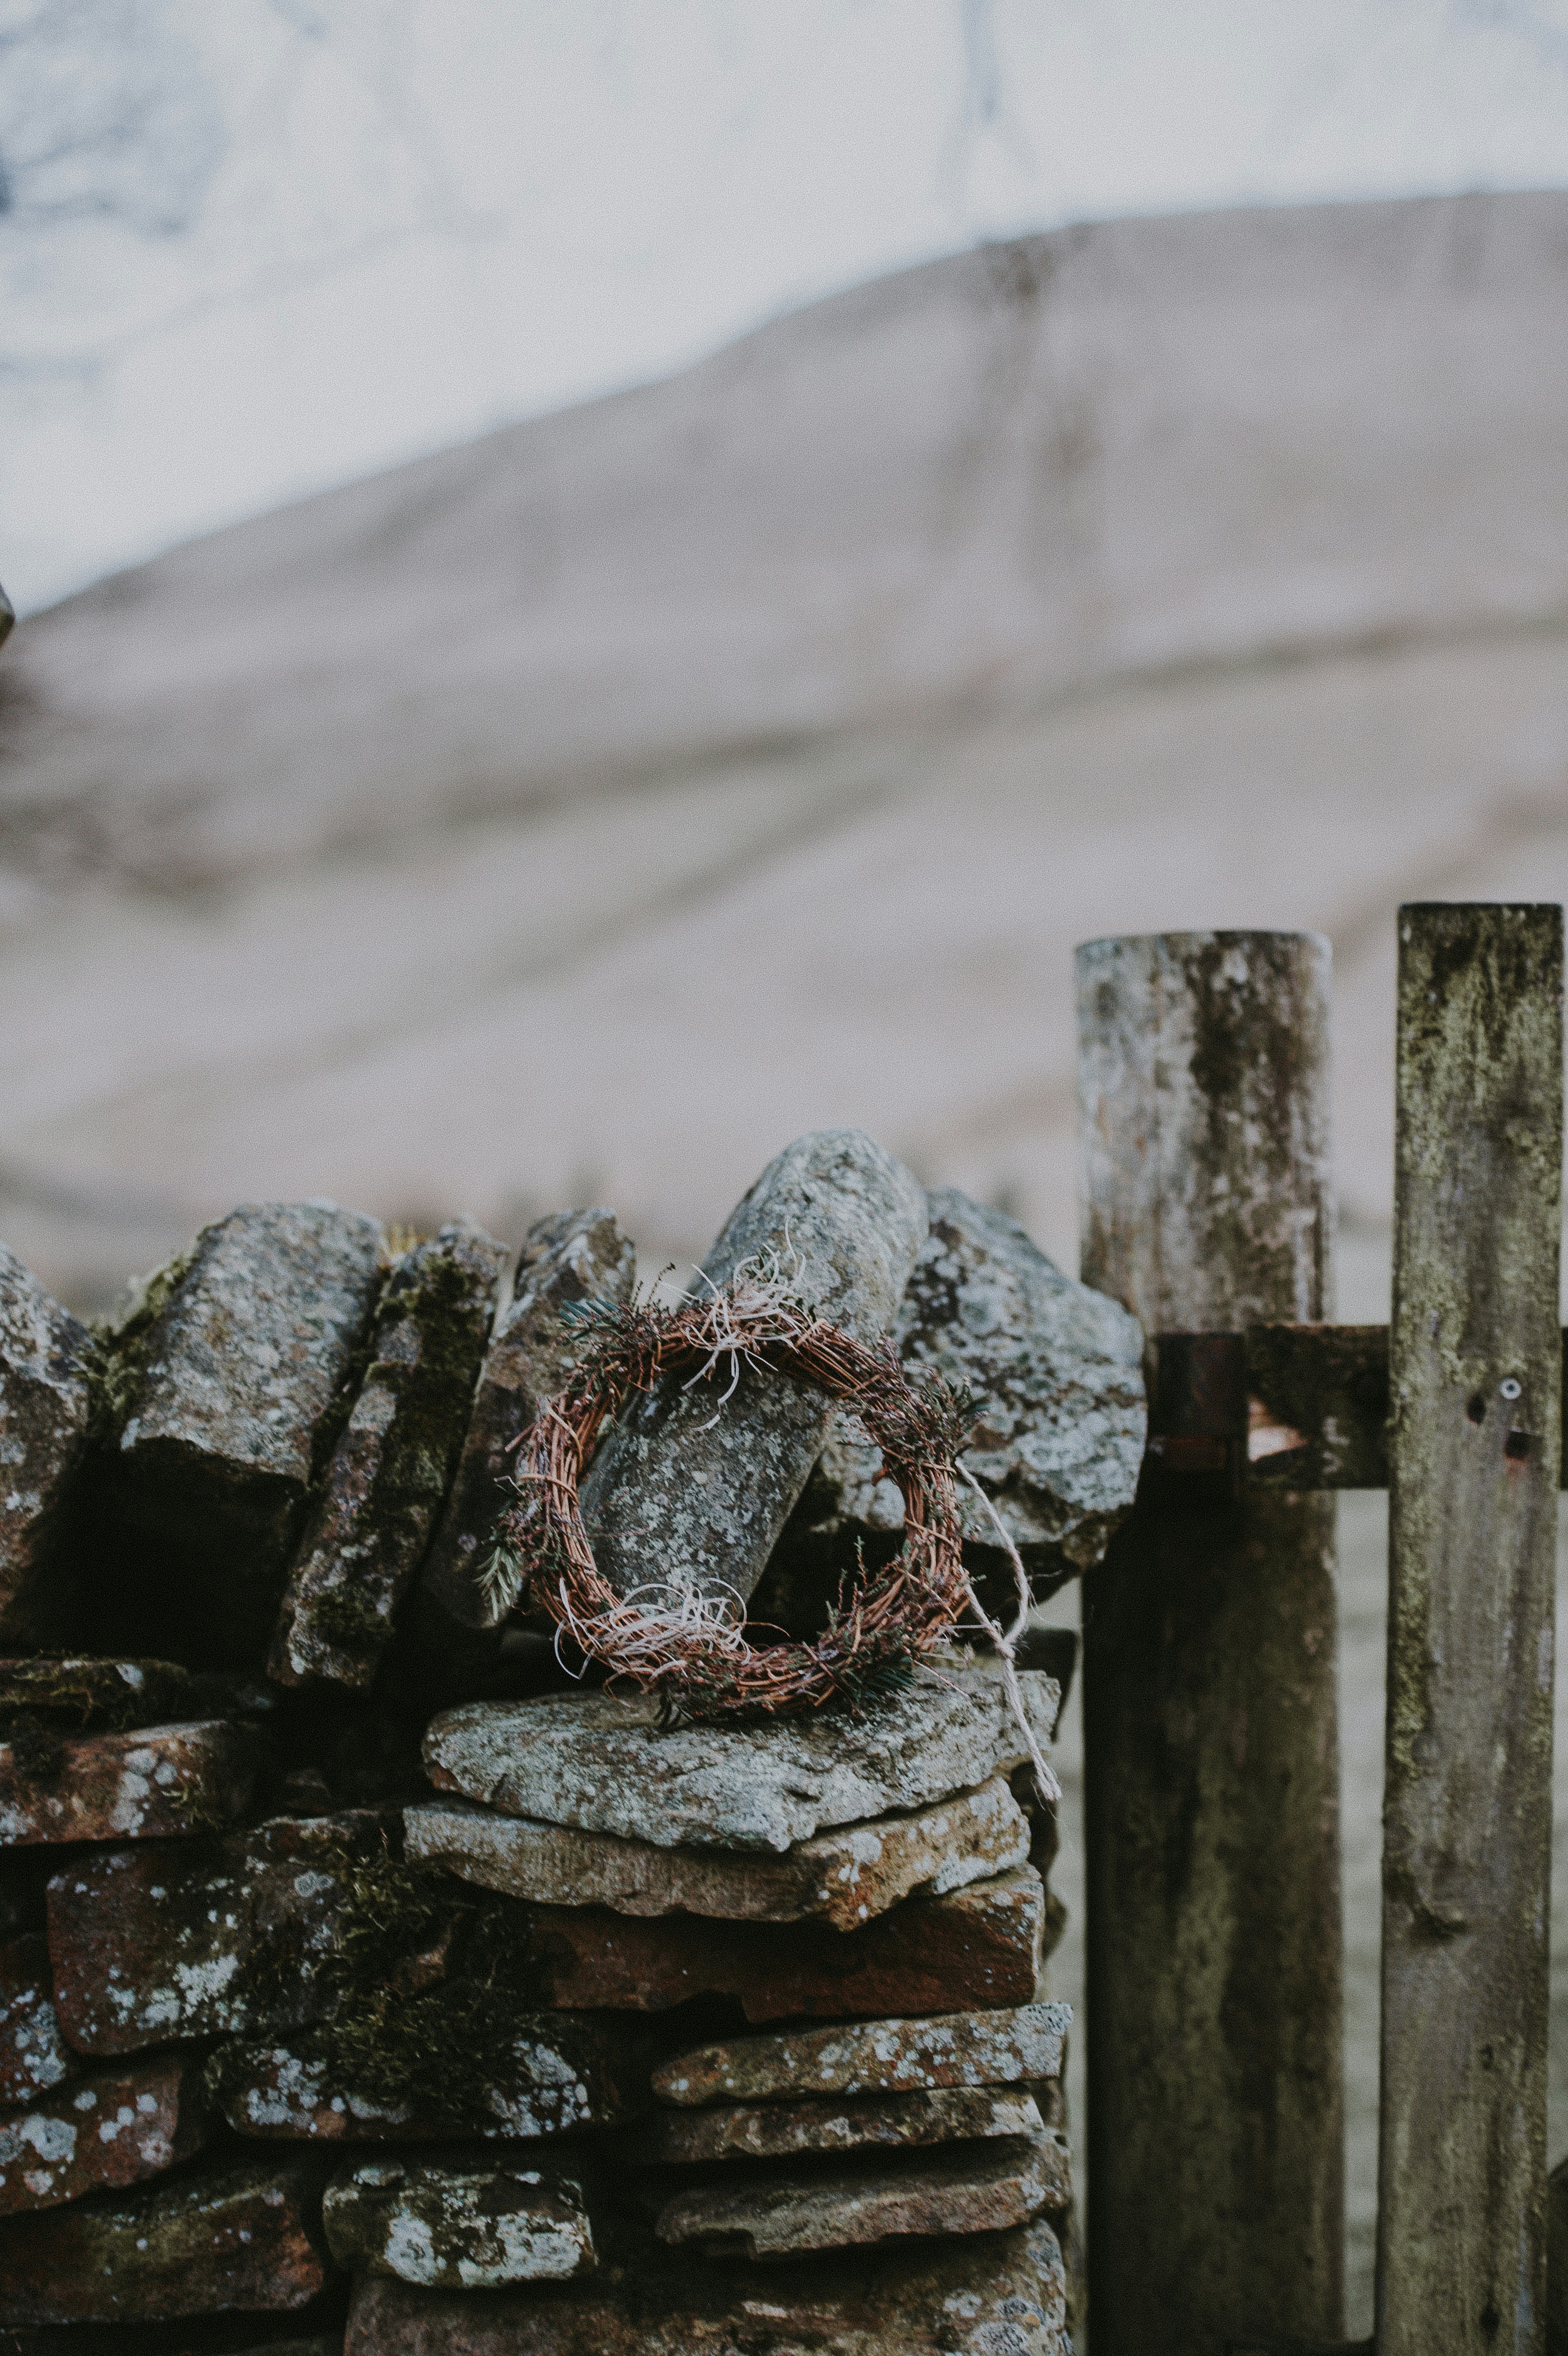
[1215, 2129]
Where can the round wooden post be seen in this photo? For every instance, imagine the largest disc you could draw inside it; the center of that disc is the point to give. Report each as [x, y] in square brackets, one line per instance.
[1474, 1379]
[1216, 2150]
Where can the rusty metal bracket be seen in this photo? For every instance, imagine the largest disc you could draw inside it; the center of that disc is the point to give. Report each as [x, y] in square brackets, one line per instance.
[1279, 1406]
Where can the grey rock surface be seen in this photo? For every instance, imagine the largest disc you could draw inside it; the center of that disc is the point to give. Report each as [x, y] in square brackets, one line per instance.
[980, 2191]
[220, 1384]
[153, 1782]
[604, 1765]
[988, 2295]
[538, 2074]
[674, 1496]
[844, 1877]
[571, 1256]
[45, 1404]
[876, 2122]
[447, 2226]
[873, 2057]
[1056, 1374]
[394, 1459]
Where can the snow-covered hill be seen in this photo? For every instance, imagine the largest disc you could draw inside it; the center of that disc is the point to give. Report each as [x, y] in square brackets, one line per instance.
[583, 811]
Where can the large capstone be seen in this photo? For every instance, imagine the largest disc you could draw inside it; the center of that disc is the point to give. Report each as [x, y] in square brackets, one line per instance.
[1055, 1373]
[223, 1385]
[45, 1404]
[571, 1257]
[604, 1765]
[390, 1470]
[689, 1493]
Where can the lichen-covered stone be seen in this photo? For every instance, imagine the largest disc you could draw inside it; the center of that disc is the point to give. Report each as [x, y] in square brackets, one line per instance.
[686, 1493]
[45, 1412]
[874, 2056]
[34, 2056]
[115, 2128]
[239, 2241]
[158, 1780]
[1056, 1374]
[220, 1385]
[450, 2226]
[389, 1471]
[163, 1941]
[86, 1691]
[604, 1765]
[569, 1257]
[993, 2294]
[884, 2122]
[844, 1877]
[538, 2074]
[983, 2190]
[980, 1947]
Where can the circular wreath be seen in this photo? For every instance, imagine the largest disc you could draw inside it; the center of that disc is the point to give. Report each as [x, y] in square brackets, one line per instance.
[689, 1645]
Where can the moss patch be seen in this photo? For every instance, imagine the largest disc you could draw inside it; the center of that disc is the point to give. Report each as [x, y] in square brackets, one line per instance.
[436, 2048]
[121, 1344]
[347, 1619]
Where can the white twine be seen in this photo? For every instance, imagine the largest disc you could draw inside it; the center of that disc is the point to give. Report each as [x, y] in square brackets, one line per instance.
[651, 1629]
[756, 1295]
[1050, 1789]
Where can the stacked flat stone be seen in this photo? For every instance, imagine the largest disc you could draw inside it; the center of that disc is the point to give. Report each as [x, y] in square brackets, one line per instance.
[867, 1882]
[321, 2013]
[131, 1912]
[278, 1412]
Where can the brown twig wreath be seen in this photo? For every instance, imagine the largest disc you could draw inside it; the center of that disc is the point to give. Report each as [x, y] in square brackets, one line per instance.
[670, 1637]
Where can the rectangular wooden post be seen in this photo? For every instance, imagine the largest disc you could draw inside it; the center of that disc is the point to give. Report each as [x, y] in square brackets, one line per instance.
[1475, 1380]
[1216, 2163]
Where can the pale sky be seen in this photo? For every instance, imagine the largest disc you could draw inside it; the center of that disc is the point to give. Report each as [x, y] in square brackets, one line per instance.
[419, 218]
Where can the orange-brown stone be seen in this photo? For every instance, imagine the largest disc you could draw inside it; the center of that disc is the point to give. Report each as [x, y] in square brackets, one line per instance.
[246, 2240]
[100, 2135]
[155, 1782]
[994, 2295]
[979, 1947]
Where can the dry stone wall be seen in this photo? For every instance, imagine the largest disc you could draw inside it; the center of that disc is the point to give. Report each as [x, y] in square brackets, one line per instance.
[367, 1981]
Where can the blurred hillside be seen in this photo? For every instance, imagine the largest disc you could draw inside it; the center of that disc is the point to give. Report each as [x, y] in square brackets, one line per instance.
[581, 813]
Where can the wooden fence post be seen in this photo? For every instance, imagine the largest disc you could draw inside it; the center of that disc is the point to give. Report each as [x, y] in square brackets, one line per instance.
[1474, 1379]
[1216, 2165]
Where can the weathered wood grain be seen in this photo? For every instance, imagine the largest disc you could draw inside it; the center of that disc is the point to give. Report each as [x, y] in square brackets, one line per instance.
[1214, 1965]
[1475, 1371]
